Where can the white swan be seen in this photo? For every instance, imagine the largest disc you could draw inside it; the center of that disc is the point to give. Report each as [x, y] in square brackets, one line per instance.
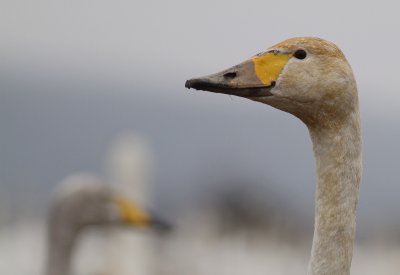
[82, 201]
[311, 79]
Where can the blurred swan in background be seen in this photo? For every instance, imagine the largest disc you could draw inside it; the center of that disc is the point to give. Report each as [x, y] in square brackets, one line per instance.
[82, 201]
[118, 240]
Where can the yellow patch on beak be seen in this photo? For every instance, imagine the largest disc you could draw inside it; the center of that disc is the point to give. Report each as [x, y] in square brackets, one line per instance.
[269, 65]
[131, 213]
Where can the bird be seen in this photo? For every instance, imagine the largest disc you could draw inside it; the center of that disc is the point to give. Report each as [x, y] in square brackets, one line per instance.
[310, 78]
[82, 201]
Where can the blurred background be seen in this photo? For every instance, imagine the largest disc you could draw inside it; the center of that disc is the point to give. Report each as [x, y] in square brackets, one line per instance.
[79, 79]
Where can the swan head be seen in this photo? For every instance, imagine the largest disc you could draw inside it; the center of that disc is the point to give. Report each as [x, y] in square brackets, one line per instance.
[83, 200]
[308, 77]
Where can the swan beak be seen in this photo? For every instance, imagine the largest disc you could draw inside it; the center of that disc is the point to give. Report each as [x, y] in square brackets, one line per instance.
[253, 78]
[132, 214]
[159, 223]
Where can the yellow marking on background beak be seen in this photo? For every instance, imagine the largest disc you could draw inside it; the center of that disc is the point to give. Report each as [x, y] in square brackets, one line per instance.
[131, 213]
[268, 66]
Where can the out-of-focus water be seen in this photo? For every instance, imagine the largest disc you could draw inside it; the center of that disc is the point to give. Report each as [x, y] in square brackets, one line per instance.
[195, 250]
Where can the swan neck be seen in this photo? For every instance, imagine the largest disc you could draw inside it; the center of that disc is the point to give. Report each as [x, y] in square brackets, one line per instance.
[338, 160]
[60, 244]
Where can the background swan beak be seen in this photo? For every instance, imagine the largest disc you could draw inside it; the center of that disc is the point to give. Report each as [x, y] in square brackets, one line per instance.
[159, 224]
[132, 214]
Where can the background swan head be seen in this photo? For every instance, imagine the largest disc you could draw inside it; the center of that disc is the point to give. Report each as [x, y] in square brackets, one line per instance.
[307, 77]
[84, 200]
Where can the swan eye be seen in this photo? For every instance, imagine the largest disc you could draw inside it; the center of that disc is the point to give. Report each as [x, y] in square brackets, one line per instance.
[300, 54]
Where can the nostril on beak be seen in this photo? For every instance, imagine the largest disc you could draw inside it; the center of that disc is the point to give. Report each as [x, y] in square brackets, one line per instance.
[230, 75]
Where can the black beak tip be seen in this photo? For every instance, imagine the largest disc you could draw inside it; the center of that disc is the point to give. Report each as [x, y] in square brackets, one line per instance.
[189, 83]
[199, 84]
[161, 225]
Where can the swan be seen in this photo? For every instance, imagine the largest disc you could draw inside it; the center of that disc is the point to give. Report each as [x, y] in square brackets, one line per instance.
[311, 79]
[81, 201]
